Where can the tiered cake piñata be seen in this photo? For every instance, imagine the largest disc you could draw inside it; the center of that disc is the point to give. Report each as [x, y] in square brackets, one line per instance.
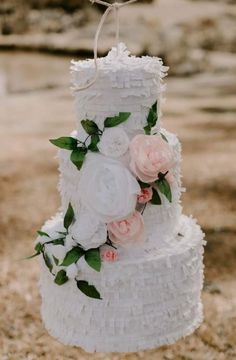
[121, 267]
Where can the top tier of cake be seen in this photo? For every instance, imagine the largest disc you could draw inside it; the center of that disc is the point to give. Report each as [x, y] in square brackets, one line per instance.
[106, 187]
[125, 84]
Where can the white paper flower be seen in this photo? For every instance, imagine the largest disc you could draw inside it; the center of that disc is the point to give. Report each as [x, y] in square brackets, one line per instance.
[107, 188]
[114, 142]
[89, 232]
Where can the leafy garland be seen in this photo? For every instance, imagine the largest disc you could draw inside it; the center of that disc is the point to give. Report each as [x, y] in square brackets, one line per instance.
[91, 256]
[79, 149]
[78, 153]
[94, 133]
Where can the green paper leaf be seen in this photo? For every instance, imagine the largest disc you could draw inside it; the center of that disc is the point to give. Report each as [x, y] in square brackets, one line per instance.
[164, 137]
[162, 176]
[164, 188]
[32, 256]
[56, 261]
[69, 217]
[65, 142]
[60, 241]
[154, 107]
[151, 119]
[94, 141]
[42, 233]
[72, 256]
[62, 233]
[147, 130]
[143, 185]
[48, 262]
[90, 127]
[88, 290]
[38, 247]
[61, 277]
[93, 259]
[156, 200]
[116, 120]
[78, 156]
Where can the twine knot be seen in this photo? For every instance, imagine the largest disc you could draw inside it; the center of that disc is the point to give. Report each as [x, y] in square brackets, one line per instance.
[113, 6]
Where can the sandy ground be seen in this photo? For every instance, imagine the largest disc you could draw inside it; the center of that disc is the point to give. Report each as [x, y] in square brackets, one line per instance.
[35, 106]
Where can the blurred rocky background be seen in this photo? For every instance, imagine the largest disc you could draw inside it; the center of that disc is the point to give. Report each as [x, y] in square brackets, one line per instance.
[38, 38]
[192, 36]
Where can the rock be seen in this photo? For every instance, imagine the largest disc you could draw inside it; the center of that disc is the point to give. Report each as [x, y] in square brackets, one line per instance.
[13, 16]
[182, 32]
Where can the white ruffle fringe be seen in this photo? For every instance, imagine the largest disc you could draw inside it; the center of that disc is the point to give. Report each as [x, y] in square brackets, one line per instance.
[127, 83]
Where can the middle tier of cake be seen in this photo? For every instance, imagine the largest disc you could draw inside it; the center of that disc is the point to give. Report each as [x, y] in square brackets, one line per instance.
[160, 221]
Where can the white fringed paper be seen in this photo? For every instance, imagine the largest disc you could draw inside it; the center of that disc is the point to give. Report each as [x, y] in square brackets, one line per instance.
[125, 83]
[152, 295]
[147, 301]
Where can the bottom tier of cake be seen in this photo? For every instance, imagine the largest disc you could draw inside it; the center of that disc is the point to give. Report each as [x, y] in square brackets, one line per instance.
[146, 302]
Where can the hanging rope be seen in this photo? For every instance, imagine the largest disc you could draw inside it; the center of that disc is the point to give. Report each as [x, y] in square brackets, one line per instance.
[110, 7]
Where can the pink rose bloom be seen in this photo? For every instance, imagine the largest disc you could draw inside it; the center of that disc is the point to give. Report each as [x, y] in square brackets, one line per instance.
[108, 254]
[129, 230]
[145, 195]
[150, 155]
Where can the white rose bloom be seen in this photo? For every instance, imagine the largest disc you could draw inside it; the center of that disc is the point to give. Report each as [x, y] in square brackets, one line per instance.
[88, 231]
[107, 188]
[114, 142]
[100, 236]
[72, 271]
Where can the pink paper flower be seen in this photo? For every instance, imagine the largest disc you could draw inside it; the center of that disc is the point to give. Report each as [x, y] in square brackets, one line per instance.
[108, 254]
[129, 230]
[150, 155]
[145, 195]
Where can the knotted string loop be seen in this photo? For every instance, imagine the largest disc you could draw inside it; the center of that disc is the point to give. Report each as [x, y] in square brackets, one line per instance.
[110, 7]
